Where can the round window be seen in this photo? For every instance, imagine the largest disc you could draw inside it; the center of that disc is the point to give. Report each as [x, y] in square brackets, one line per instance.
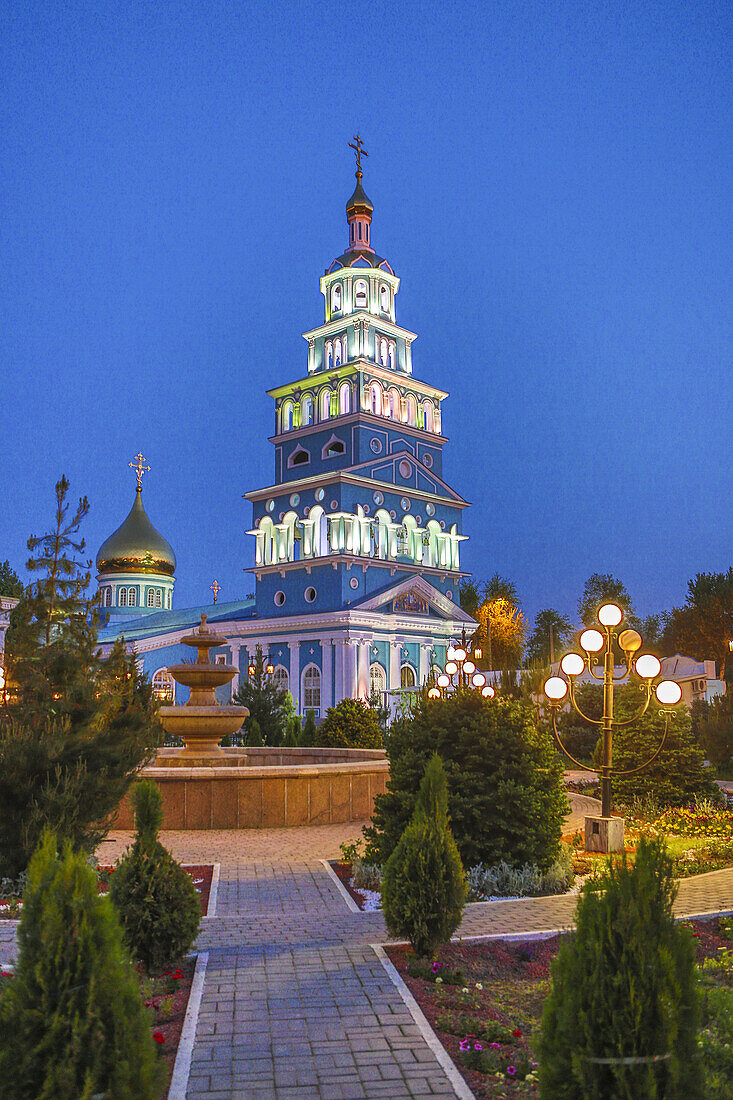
[354, 583]
[430, 509]
[378, 498]
[428, 461]
[376, 446]
[366, 509]
[320, 494]
[393, 513]
[306, 510]
[279, 598]
[310, 595]
[405, 468]
[442, 525]
[294, 499]
[418, 520]
[405, 504]
[282, 516]
[271, 506]
[449, 593]
[334, 504]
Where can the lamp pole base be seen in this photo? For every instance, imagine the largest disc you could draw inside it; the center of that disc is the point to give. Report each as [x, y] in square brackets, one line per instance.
[604, 834]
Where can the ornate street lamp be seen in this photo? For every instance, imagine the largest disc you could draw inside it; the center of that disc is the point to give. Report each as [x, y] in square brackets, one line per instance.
[606, 834]
[268, 667]
[460, 671]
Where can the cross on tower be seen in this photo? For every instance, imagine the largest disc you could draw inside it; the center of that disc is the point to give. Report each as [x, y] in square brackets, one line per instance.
[215, 588]
[139, 468]
[359, 150]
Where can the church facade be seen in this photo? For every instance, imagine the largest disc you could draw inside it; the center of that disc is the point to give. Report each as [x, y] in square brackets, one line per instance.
[356, 542]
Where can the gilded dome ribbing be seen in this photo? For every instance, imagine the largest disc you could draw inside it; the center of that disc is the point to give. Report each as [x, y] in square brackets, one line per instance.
[136, 547]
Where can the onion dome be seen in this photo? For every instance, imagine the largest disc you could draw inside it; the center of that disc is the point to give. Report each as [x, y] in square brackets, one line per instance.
[359, 203]
[136, 547]
[359, 210]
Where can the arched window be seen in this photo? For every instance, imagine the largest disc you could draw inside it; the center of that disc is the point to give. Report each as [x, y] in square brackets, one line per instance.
[107, 597]
[394, 404]
[334, 447]
[392, 350]
[163, 687]
[384, 298]
[376, 398]
[344, 398]
[361, 294]
[407, 677]
[299, 457]
[170, 598]
[122, 597]
[150, 599]
[311, 688]
[329, 355]
[306, 408]
[287, 416]
[383, 357]
[411, 410]
[427, 408]
[280, 678]
[377, 679]
[158, 597]
[337, 358]
[325, 400]
[132, 597]
[336, 297]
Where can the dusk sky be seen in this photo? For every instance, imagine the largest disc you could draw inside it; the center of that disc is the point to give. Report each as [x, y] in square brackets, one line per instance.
[551, 182]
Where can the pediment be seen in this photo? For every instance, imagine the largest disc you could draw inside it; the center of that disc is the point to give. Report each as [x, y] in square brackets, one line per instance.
[415, 597]
[403, 470]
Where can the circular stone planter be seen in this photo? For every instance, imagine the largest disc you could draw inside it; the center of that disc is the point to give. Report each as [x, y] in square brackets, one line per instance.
[265, 788]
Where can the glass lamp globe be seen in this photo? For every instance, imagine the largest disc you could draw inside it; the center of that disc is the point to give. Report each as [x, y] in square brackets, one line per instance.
[270, 669]
[451, 654]
[460, 654]
[668, 693]
[451, 667]
[433, 693]
[648, 666]
[572, 664]
[478, 680]
[469, 667]
[630, 640]
[443, 680]
[555, 688]
[488, 691]
[610, 615]
[591, 641]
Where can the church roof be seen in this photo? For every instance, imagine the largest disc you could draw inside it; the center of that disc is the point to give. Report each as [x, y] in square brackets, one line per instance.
[359, 199]
[136, 546]
[359, 257]
[167, 622]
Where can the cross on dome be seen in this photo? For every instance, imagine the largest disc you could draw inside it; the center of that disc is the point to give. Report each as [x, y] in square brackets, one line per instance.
[139, 469]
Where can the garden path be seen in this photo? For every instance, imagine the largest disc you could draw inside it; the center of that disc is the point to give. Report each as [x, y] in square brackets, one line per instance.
[295, 1002]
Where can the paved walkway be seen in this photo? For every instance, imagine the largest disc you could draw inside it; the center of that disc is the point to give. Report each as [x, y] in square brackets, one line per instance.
[295, 1002]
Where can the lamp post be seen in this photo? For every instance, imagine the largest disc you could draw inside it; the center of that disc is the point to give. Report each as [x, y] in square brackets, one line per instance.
[606, 834]
[460, 671]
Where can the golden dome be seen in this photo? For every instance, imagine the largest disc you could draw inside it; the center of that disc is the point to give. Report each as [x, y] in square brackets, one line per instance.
[136, 547]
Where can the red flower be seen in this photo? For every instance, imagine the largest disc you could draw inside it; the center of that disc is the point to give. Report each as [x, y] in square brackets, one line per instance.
[159, 1037]
[177, 974]
[517, 1033]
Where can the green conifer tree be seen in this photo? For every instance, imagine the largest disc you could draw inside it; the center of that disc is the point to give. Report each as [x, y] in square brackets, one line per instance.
[253, 736]
[310, 730]
[424, 885]
[621, 1019]
[155, 898]
[267, 703]
[72, 1023]
[293, 732]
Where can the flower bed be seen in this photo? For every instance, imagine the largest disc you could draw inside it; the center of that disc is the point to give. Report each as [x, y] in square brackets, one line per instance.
[202, 875]
[166, 996]
[484, 1001]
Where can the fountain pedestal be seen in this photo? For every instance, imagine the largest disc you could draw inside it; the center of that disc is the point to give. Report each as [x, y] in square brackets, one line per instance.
[202, 721]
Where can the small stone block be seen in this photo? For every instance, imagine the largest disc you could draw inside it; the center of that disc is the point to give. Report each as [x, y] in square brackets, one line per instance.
[604, 834]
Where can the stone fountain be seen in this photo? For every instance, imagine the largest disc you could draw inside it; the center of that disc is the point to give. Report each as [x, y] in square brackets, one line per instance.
[203, 720]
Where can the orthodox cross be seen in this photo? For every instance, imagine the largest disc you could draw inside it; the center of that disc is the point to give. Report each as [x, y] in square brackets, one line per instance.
[139, 469]
[216, 589]
[357, 146]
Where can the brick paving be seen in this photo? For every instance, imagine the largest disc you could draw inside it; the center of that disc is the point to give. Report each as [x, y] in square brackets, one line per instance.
[295, 1002]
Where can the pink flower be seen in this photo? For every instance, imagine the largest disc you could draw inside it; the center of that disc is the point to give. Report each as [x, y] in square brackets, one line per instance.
[511, 1071]
[495, 1046]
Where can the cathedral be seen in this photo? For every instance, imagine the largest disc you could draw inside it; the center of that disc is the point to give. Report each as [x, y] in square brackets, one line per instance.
[356, 543]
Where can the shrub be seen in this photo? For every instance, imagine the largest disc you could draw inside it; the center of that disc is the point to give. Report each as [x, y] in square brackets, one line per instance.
[678, 775]
[351, 724]
[424, 887]
[310, 730]
[72, 1023]
[253, 736]
[156, 900]
[292, 732]
[366, 876]
[623, 986]
[505, 780]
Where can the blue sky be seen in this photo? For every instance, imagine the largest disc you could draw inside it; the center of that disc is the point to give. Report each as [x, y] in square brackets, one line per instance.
[550, 181]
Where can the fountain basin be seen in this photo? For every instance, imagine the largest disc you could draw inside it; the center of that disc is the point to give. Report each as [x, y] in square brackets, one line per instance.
[202, 727]
[200, 676]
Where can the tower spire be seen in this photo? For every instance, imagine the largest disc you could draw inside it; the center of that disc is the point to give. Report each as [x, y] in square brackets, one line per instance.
[359, 207]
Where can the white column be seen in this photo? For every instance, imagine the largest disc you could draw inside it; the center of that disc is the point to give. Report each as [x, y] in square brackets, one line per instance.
[326, 674]
[348, 669]
[395, 664]
[362, 679]
[235, 648]
[294, 674]
[424, 667]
